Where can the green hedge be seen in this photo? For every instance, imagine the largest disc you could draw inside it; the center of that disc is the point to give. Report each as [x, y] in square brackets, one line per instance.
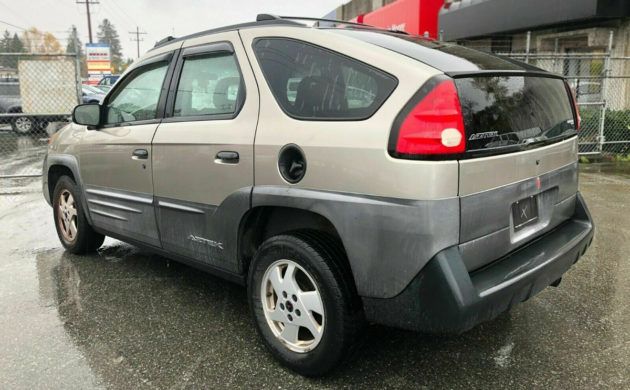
[616, 125]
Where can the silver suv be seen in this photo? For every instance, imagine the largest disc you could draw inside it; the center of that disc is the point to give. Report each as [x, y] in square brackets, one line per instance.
[344, 174]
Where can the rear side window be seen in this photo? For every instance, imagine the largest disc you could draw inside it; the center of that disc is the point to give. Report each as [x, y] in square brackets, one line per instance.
[313, 83]
[208, 85]
[514, 111]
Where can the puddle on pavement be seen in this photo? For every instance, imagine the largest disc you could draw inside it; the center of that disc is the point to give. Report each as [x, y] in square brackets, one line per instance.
[614, 168]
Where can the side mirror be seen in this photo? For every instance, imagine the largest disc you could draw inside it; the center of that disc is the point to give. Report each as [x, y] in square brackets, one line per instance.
[87, 114]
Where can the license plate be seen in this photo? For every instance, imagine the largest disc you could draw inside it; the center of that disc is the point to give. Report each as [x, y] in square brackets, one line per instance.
[525, 212]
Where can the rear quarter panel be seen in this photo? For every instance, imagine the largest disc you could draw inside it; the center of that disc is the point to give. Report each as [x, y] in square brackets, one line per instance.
[347, 156]
[392, 215]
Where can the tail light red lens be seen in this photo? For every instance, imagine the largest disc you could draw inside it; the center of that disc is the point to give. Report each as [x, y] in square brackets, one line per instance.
[578, 119]
[434, 126]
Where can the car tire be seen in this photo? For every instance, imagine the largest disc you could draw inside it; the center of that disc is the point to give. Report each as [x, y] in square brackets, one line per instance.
[316, 262]
[42, 126]
[73, 229]
[23, 125]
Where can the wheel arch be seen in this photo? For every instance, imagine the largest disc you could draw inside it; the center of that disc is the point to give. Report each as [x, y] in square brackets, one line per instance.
[264, 221]
[64, 165]
[387, 241]
[55, 172]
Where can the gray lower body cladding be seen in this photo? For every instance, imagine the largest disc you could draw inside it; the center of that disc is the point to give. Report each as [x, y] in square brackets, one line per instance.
[387, 241]
[446, 298]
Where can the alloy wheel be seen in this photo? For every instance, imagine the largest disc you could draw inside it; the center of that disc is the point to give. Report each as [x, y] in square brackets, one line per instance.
[23, 125]
[293, 306]
[67, 216]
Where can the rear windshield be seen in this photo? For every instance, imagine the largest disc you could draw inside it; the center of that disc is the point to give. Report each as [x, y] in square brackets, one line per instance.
[514, 111]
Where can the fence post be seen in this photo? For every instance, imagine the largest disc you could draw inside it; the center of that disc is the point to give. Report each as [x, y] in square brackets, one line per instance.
[77, 64]
[602, 119]
[527, 46]
[555, 56]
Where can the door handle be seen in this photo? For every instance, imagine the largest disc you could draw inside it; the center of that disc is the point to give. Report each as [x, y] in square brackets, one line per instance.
[140, 154]
[227, 157]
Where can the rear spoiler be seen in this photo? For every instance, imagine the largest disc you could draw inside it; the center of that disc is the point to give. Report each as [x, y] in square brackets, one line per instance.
[488, 73]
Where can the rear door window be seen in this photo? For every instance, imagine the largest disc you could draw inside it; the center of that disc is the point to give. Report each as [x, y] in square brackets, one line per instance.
[313, 83]
[209, 85]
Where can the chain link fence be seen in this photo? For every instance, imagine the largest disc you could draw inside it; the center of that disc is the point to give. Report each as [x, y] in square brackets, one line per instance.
[602, 85]
[37, 95]
[600, 80]
[38, 92]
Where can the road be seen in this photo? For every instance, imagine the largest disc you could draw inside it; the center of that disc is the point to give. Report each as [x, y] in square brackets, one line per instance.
[124, 318]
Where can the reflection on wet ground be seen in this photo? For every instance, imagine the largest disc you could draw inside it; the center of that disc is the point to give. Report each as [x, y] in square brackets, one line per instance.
[127, 319]
[612, 168]
[21, 154]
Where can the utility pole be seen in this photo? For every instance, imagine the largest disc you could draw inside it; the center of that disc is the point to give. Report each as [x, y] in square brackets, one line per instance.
[137, 39]
[87, 9]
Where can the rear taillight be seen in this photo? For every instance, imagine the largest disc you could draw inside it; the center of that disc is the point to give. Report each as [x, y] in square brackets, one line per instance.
[432, 125]
[576, 110]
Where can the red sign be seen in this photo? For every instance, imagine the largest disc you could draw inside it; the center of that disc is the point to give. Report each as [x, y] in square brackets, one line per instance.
[412, 16]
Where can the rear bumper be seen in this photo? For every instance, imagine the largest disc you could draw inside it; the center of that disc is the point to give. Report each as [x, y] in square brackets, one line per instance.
[445, 298]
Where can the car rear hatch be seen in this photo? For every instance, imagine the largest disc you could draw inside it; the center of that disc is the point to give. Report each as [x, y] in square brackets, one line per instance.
[511, 126]
[518, 177]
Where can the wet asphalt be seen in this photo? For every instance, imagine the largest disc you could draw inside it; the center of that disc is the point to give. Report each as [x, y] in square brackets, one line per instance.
[127, 319]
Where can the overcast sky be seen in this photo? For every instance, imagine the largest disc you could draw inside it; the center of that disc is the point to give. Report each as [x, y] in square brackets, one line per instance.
[159, 18]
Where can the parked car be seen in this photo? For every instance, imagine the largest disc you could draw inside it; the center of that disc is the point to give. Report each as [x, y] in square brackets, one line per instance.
[103, 88]
[445, 194]
[91, 94]
[11, 106]
[109, 80]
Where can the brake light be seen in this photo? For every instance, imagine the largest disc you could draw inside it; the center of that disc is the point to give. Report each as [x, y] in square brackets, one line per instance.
[434, 126]
[578, 119]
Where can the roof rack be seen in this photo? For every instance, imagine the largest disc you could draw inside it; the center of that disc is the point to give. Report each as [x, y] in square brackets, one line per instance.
[263, 17]
[270, 17]
[267, 19]
[164, 40]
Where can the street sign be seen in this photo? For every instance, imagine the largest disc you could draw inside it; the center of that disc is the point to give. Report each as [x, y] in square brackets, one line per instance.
[98, 60]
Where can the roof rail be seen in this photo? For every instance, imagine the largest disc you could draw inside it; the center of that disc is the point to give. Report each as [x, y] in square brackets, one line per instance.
[318, 20]
[265, 17]
[262, 17]
[270, 20]
[335, 21]
[164, 40]
[261, 20]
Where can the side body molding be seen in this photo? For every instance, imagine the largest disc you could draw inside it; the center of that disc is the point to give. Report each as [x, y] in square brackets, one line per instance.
[388, 241]
[204, 233]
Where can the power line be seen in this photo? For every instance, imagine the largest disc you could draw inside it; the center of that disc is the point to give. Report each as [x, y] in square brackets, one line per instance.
[137, 39]
[89, 20]
[13, 12]
[12, 25]
[124, 13]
